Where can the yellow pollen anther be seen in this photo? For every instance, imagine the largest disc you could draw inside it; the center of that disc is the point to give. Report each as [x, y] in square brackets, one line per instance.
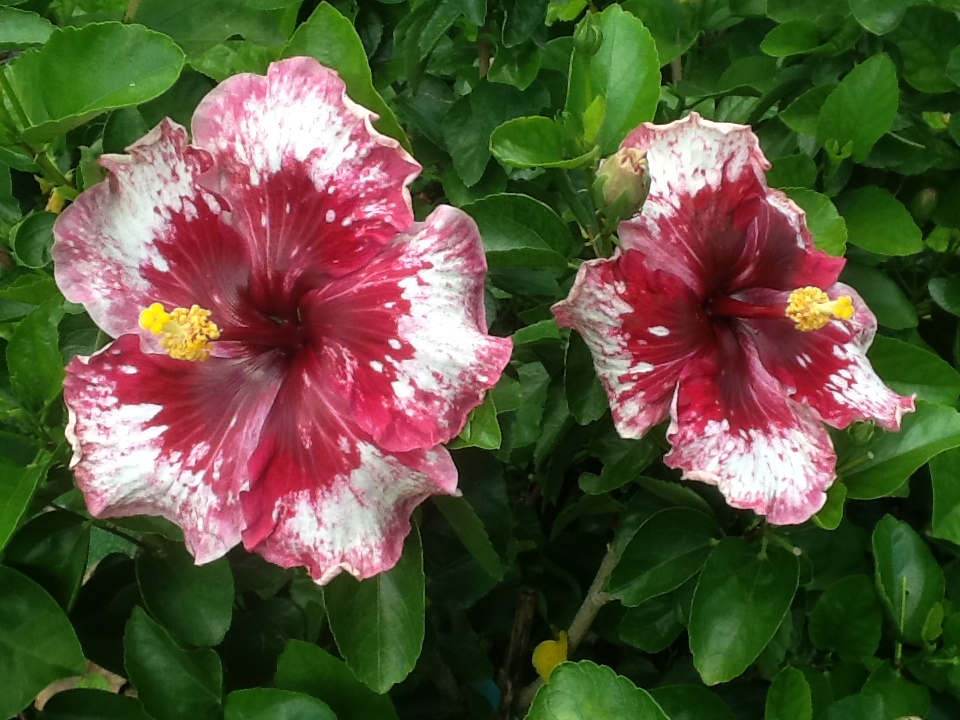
[811, 308]
[185, 334]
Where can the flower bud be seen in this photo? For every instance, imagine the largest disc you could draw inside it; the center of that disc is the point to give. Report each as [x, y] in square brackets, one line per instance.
[622, 184]
[588, 37]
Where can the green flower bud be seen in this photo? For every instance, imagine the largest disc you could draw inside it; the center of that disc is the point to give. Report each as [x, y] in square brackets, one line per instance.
[623, 182]
[588, 37]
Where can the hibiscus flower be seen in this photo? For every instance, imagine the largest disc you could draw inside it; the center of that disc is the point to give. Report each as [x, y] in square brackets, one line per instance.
[291, 347]
[719, 312]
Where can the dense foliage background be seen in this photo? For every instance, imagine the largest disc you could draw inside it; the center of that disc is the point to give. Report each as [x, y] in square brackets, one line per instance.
[509, 105]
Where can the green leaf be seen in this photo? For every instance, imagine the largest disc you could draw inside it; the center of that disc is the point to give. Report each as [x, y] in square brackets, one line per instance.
[623, 462]
[544, 330]
[803, 114]
[861, 109]
[909, 370]
[378, 623]
[691, 702]
[471, 532]
[331, 38]
[172, 683]
[32, 239]
[789, 697]
[667, 550]
[36, 369]
[17, 485]
[585, 691]
[945, 292]
[739, 603]
[879, 16]
[909, 578]
[830, 515]
[529, 142]
[882, 295]
[878, 222]
[829, 230]
[848, 618]
[883, 465]
[791, 38]
[519, 231]
[271, 704]
[197, 26]
[37, 643]
[652, 626]
[925, 39]
[82, 72]
[944, 471]
[625, 72]
[475, 10]
[669, 25]
[88, 704]
[856, 707]
[309, 669]
[51, 549]
[482, 429]
[523, 17]
[193, 602]
[517, 66]
[586, 397]
[20, 29]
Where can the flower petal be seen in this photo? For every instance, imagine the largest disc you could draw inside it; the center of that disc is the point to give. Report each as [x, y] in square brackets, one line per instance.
[404, 339]
[311, 185]
[733, 426]
[157, 436]
[828, 368]
[149, 234]
[324, 495]
[710, 217]
[642, 327]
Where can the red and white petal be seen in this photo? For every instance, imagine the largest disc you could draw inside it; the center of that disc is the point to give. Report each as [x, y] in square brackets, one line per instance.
[157, 436]
[404, 339]
[733, 426]
[828, 369]
[149, 234]
[311, 185]
[710, 217]
[642, 327]
[323, 495]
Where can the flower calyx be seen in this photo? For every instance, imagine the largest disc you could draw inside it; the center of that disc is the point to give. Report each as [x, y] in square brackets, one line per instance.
[184, 334]
[811, 308]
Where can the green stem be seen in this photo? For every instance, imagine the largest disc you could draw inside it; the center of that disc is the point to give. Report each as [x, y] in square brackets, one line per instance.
[587, 222]
[51, 173]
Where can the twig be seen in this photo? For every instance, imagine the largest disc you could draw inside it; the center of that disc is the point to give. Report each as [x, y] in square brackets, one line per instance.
[596, 598]
[513, 664]
[131, 11]
[483, 49]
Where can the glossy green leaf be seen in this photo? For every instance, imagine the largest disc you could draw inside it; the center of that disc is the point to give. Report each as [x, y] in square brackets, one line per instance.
[878, 222]
[475, 10]
[945, 292]
[691, 702]
[172, 683]
[789, 697]
[519, 231]
[88, 704]
[829, 230]
[848, 618]
[193, 602]
[882, 295]
[879, 16]
[910, 370]
[17, 485]
[20, 29]
[944, 474]
[861, 109]
[670, 26]
[625, 72]
[82, 72]
[533, 142]
[652, 626]
[585, 691]
[331, 38]
[902, 698]
[523, 17]
[803, 114]
[791, 38]
[32, 239]
[482, 429]
[667, 550]
[738, 605]
[309, 669]
[378, 623]
[586, 397]
[924, 40]
[884, 464]
[37, 643]
[909, 578]
[471, 532]
[33, 360]
[272, 704]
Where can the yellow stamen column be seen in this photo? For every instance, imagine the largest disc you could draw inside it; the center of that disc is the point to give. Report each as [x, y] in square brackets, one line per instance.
[811, 308]
[184, 334]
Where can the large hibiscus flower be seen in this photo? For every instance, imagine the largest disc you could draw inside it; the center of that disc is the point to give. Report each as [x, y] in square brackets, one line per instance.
[291, 347]
[719, 312]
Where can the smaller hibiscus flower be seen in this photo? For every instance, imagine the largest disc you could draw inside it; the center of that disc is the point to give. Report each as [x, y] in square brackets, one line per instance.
[291, 347]
[719, 313]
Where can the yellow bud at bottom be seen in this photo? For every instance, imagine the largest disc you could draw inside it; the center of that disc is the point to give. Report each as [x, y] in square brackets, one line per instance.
[184, 334]
[811, 308]
[548, 654]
